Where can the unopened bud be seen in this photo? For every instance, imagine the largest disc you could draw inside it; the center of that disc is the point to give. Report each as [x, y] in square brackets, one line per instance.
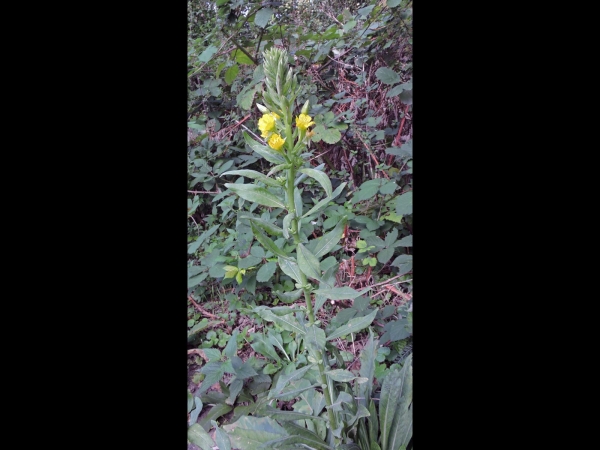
[262, 109]
[305, 107]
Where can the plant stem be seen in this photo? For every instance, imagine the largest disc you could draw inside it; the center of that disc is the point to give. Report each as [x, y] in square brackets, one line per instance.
[291, 207]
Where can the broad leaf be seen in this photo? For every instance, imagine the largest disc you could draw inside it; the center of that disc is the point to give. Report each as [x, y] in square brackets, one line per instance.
[314, 339]
[322, 178]
[404, 203]
[353, 325]
[406, 241]
[207, 54]
[300, 435]
[262, 17]
[387, 75]
[231, 73]
[265, 273]
[308, 263]
[256, 194]
[262, 345]
[249, 432]
[329, 240]
[221, 438]
[255, 175]
[289, 297]
[199, 437]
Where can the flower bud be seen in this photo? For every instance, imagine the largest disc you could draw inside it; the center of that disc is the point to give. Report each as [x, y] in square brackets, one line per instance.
[305, 107]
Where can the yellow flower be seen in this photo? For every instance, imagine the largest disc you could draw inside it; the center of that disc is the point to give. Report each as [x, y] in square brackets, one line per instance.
[267, 123]
[303, 121]
[275, 142]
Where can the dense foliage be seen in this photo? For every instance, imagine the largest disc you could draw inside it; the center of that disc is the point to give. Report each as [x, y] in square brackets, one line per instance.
[255, 341]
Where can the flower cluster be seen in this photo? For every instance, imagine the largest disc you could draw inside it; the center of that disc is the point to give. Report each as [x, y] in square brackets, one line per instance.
[266, 124]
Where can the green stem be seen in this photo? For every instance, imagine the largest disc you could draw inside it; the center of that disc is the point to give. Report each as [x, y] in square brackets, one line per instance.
[291, 207]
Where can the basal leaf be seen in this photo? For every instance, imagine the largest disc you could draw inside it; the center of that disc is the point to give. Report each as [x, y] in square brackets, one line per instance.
[300, 435]
[221, 438]
[285, 379]
[249, 432]
[401, 427]
[256, 194]
[261, 345]
[199, 437]
[342, 293]
[341, 375]
[353, 325]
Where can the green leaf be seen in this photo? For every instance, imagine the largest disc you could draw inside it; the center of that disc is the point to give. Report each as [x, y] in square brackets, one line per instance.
[308, 263]
[323, 203]
[257, 251]
[219, 410]
[394, 91]
[272, 229]
[329, 135]
[301, 435]
[385, 255]
[314, 339]
[393, 3]
[289, 297]
[366, 10]
[285, 416]
[406, 97]
[196, 244]
[406, 241]
[207, 54]
[290, 268]
[213, 372]
[349, 25]
[255, 175]
[265, 273]
[287, 224]
[404, 203]
[322, 178]
[388, 187]
[264, 151]
[367, 368]
[367, 192]
[353, 325]
[387, 75]
[249, 432]
[221, 2]
[401, 427]
[267, 242]
[221, 438]
[245, 98]
[262, 17]
[199, 437]
[230, 349]
[196, 412]
[287, 322]
[329, 240]
[285, 379]
[341, 375]
[241, 58]
[342, 293]
[264, 347]
[231, 73]
[256, 194]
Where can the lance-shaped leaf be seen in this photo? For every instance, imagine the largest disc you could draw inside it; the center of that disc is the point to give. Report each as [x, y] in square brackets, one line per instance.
[256, 194]
[288, 322]
[401, 429]
[262, 345]
[277, 341]
[270, 228]
[277, 168]
[323, 203]
[267, 242]
[287, 223]
[293, 390]
[308, 263]
[343, 293]
[284, 379]
[396, 389]
[290, 268]
[289, 297]
[314, 340]
[221, 438]
[373, 421]
[266, 152]
[367, 368]
[219, 410]
[298, 203]
[329, 240]
[321, 178]
[254, 175]
[199, 437]
[353, 325]
[249, 432]
[285, 416]
[342, 375]
[300, 435]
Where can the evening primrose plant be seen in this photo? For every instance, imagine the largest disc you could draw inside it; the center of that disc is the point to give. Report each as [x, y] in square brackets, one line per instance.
[333, 408]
